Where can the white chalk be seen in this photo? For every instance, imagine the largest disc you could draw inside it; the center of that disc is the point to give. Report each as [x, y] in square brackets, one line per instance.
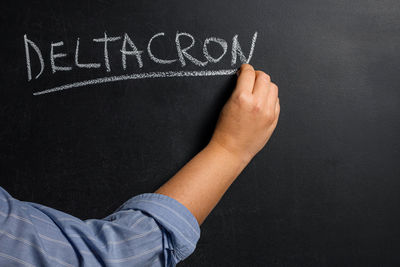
[28, 58]
[134, 52]
[53, 56]
[219, 41]
[182, 52]
[148, 75]
[151, 55]
[105, 40]
[80, 65]
[236, 49]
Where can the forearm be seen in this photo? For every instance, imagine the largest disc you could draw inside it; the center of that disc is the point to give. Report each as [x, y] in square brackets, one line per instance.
[244, 126]
[200, 184]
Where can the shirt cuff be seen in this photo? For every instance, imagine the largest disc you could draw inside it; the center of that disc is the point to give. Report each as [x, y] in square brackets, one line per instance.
[174, 217]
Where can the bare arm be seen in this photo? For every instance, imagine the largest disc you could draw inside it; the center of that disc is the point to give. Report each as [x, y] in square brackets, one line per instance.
[245, 125]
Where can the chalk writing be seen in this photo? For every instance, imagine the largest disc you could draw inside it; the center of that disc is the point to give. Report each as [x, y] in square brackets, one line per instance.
[128, 48]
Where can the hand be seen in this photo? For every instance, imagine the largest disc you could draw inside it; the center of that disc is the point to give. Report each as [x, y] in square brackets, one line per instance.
[250, 116]
[244, 126]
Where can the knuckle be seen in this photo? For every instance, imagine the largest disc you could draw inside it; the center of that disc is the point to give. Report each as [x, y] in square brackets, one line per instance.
[241, 98]
[257, 106]
[263, 75]
[269, 117]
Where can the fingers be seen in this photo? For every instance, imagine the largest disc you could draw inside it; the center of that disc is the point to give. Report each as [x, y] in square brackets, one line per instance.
[277, 109]
[261, 84]
[272, 99]
[266, 92]
[245, 81]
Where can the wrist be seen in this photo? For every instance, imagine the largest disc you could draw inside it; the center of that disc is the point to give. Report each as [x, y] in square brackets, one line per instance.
[240, 158]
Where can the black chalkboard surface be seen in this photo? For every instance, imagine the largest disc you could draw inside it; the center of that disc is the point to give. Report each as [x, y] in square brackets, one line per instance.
[105, 116]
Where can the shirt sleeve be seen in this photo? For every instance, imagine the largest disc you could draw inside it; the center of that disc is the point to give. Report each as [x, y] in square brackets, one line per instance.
[147, 230]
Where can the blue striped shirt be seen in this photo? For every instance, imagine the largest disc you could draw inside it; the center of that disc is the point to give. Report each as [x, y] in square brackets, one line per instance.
[147, 230]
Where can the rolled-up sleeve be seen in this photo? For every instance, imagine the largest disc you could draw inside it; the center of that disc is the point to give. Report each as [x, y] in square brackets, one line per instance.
[180, 228]
[147, 230]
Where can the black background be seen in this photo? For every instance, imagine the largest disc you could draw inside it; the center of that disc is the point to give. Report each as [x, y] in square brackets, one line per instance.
[323, 192]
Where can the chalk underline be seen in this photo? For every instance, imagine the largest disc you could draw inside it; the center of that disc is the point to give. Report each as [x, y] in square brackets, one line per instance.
[137, 76]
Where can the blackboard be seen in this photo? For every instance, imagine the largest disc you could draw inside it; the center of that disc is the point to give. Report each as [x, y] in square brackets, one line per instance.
[324, 192]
